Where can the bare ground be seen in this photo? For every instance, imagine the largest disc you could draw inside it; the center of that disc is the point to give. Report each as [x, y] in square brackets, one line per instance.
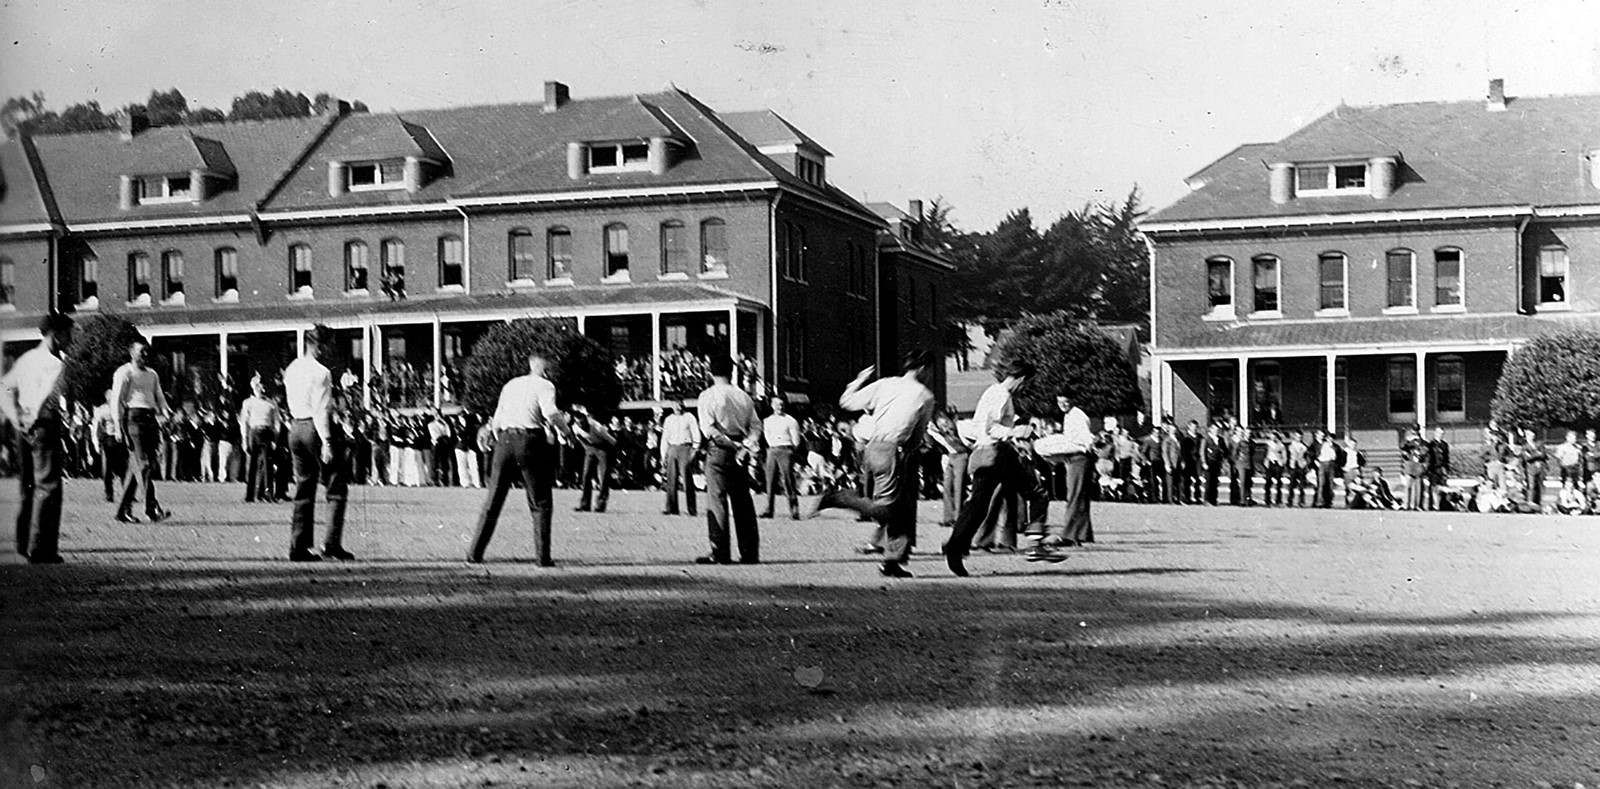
[1190, 647]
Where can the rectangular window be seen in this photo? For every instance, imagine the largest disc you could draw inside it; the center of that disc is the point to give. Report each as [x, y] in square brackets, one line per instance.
[619, 156]
[355, 267]
[1222, 390]
[1402, 282]
[1553, 275]
[559, 241]
[164, 189]
[1331, 273]
[300, 269]
[713, 247]
[387, 174]
[139, 277]
[1402, 388]
[524, 258]
[1324, 178]
[1350, 176]
[1219, 285]
[8, 281]
[1266, 284]
[674, 249]
[616, 250]
[227, 264]
[1451, 397]
[450, 262]
[1447, 278]
[171, 273]
[1311, 178]
[88, 278]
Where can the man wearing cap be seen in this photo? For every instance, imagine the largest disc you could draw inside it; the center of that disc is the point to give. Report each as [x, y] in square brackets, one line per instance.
[901, 408]
[732, 433]
[680, 440]
[523, 420]
[137, 403]
[782, 434]
[313, 446]
[30, 399]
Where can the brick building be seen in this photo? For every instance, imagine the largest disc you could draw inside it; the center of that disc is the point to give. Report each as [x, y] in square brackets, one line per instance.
[1375, 268]
[655, 224]
[911, 275]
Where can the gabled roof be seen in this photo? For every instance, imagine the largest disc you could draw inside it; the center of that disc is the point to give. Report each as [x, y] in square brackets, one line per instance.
[20, 200]
[891, 241]
[84, 169]
[765, 127]
[1452, 155]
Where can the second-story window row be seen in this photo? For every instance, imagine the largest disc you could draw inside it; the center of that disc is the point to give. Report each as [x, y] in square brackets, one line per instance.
[1405, 282]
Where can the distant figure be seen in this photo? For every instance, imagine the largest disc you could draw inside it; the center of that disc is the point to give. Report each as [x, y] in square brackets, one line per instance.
[258, 423]
[137, 404]
[782, 434]
[108, 443]
[680, 442]
[30, 399]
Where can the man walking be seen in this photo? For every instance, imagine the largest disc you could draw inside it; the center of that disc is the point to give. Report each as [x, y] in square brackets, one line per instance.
[108, 445]
[680, 441]
[597, 445]
[901, 409]
[30, 399]
[782, 434]
[258, 422]
[524, 418]
[137, 402]
[314, 446]
[732, 432]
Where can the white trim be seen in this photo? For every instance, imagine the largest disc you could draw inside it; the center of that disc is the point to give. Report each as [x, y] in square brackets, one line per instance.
[1277, 270]
[1461, 277]
[1265, 315]
[1567, 211]
[1397, 309]
[1448, 309]
[673, 276]
[522, 283]
[1220, 315]
[723, 274]
[600, 194]
[356, 211]
[359, 293]
[1333, 312]
[1402, 310]
[158, 224]
[17, 230]
[1247, 223]
[1554, 306]
[1298, 351]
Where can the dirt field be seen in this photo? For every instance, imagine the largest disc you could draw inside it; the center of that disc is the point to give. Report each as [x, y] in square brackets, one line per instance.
[1189, 647]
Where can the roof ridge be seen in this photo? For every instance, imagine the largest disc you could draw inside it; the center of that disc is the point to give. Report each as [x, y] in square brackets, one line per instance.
[1436, 154]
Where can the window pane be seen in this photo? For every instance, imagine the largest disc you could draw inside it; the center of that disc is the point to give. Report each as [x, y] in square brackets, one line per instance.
[227, 263]
[1447, 277]
[1313, 177]
[1400, 284]
[138, 275]
[178, 186]
[355, 266]
[1402, 386]
[1350, 176]
[1332, 280]
[1219, 283]
[1266, 284]
[616, 249]
[1452, 394]
[560, 245]
[393, 171]
[638, 153]
[603, 156]
[714, 246]
[88, 278]
[1552, 275]
[449, 261]
[363, 174]
[172, 273]
[523, 257]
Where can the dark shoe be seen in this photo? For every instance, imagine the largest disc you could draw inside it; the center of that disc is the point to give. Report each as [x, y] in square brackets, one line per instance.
[671, 512]
[581, 509]
[159, 515]
[693, 514]
[336, 552]
[474, 560]
[893, 570]
[766, 515]
[304, 556]
[868, 549]
[956, 565]
[711, 560]
[123, 517]
[547, 562]
[794, 515]
[54, 558]
[600, 509]
[1039, 553]
[750, 560]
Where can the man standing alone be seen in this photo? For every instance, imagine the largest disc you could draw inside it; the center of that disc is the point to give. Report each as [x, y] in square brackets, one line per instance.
[137, 404]
[732, 431]
[313, 445]
[901, 409]
[30, 398]
[782, 433]
[680, 440]
[258, 422]
[523, 420]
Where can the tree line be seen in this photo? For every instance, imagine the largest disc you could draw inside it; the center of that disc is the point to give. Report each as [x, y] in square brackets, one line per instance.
[31, 114]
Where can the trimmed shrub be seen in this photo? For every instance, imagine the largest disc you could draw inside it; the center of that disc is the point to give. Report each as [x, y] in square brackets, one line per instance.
[1553, 381]
[1070, 357]
[99, 346]
[583, 371]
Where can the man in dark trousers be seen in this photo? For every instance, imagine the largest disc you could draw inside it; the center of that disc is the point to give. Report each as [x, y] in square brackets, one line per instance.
[732, 433]
[108, 442]
[597, 445]
[1244, 466]
[1213, 454]
[680, 442]
[138, 403]
[1189, 465]
[1171, 464]
[30, 399]
[782, 434]
[995, 467]
[315, 443]
[524, 419]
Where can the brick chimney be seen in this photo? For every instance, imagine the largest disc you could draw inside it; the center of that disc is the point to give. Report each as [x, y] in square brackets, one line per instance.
[132, 123]
[1497, 95]
[555, 96]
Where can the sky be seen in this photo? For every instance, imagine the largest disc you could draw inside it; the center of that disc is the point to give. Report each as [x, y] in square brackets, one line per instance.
[991, 107]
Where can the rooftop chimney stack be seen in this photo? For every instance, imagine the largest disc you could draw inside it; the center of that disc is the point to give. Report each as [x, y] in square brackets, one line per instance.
[555, 96]
[1497, 95]
[132, 124]
[916, 210]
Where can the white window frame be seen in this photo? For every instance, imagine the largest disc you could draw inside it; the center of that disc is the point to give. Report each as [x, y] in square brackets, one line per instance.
[378, 183]
[1400, 309]
[624, 164]
[168, 295]
[1450, 416]
[1408, 363]
[1344, 285]
[1229, 311]
[460, 263]
[84, 266]
[1278, 288]
[307, 291]
[224, 295]
[1565, 305]
[515, 277]
[1331, 186]
[366, 266]
[1461, 277]
[167, 193]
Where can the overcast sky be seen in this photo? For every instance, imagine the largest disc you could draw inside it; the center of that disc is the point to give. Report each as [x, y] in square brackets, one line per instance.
[993, 106]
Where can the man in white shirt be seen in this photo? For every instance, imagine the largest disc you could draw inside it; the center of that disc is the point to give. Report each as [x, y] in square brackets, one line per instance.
[732, 433]
[994, 465]
[680, 441]
[523, 421]
[258, 423]
[782, 434]
[30, 399]
[138, 403]
[901, 408]
[314, 445]
[108, 445]
[1079, 440]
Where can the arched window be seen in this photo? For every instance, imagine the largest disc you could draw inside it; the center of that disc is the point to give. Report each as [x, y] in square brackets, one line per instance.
[1402, 276]
[558, 248]
[138, 277]
[300, 269]
[1449, 279]
[674, 248]
[1332, 282]
[523, 260]
[713, 247]
[450, 261]
[171, 274]
[1219, 286]
[1266, 277]
[355, 266]
[616, 245]
[226, 261]
[392, 271]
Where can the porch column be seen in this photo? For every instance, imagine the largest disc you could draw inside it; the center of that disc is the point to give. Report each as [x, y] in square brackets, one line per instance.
[222, 358]
[299, 343]
[366, 367]
[581, 325]
[761, 351]
[1244, 391]
[655, 355]
[733, 332]
[1330, 396]
[1164, 387]
[1422, 390]
[438, 362]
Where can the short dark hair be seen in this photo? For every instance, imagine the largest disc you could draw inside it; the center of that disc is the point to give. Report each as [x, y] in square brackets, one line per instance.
[917, 360]
[1020, 369]
[722, 366]
[55, 323]
[320, 335]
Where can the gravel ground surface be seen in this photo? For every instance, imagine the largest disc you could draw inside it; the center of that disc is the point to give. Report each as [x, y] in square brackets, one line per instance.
[1189, 647]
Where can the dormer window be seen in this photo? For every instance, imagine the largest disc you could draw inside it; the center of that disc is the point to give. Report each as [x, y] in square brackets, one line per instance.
[809, 170]
[164, 189]
[389, 174]
[1314, 179]
[619, 157]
